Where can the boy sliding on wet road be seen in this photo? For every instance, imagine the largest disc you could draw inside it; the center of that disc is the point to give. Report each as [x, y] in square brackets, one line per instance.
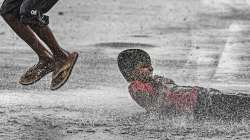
[27, 19]
[160, 94]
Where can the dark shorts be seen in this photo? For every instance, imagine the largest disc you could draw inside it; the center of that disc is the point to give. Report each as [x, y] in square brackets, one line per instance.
[214, 104]
[14, 7]
[203, 105]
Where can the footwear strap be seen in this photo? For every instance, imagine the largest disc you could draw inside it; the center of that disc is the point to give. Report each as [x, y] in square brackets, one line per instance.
[64, 68]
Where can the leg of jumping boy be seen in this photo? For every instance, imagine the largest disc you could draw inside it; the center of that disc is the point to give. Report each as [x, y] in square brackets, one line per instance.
[46, 62]
[46, 35]
[64, 61]
[30, 13]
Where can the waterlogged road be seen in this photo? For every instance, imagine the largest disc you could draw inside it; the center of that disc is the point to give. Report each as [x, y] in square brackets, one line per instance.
[198, 42]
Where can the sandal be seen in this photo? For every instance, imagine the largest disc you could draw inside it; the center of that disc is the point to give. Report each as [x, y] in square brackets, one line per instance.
[62, 74]
[36, 72]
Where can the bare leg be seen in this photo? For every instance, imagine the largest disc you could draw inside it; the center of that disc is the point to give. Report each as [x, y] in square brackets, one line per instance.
[64, 61]
[26, 33]
[47, 36]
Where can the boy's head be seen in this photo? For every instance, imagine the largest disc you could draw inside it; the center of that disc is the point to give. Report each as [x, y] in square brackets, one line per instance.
[135, 64]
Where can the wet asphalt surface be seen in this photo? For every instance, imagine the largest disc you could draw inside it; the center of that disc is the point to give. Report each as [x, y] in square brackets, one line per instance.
[204, 43]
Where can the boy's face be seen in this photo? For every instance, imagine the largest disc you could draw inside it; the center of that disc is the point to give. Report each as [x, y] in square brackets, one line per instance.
[143, 72]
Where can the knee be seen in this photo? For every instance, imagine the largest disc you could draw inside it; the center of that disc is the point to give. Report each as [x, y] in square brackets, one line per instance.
[8, 17]
[8, 14]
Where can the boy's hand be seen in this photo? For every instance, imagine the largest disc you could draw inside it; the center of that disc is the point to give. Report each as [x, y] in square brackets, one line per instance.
[163, 80]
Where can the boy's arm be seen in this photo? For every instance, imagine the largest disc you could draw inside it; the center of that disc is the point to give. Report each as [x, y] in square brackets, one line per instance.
[163, 80]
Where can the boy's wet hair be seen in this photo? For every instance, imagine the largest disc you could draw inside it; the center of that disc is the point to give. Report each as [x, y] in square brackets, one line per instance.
[129, 59]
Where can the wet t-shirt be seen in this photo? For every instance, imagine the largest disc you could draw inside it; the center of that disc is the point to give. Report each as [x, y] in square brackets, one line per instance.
[166, 96]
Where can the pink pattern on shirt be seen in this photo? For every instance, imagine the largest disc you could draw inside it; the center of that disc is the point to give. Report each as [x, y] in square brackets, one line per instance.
[138, 86]
[182, 100]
